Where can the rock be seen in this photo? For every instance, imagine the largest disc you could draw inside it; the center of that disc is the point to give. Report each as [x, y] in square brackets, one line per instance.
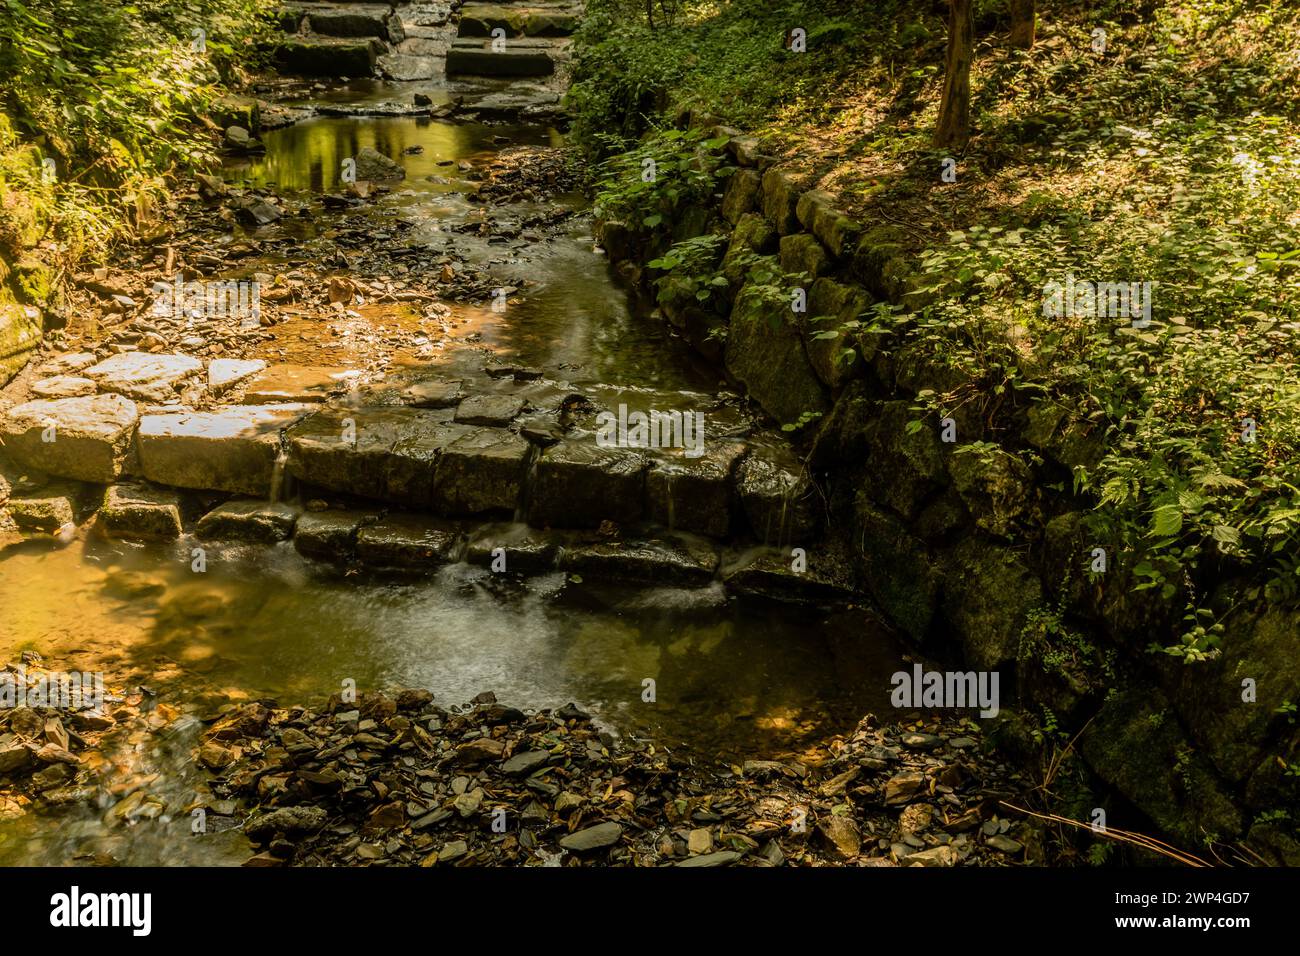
[288, 820]
[668, 561]
[216, 757]
[253, 520]
[526, 549]
[842, 833]
[922, 741]
[144, 375]
[45, 511]
[935, 856]
[522, 764]
[480, 750]
[780, 502]
[995, 487]
[63, 386]
[592, 838]
[741, 195]
[139, 512]
[402, 541]
[902, 788]
[255, 213]
[578, 484]
[719, 858]
[233, 449]
[21, 331]
[453, 850]
[374, 166]
[991, 592]
[769, 573]
[481, 473]
[695, 494]
[328, 56]
[699, 841]
[488, 409]
[896, 567]
[387, 453]
[469, 55]
[328, 535]
[781, 191]
[801, 253]
[916, 818]
[89, 437]
[224, 373]
[1004, 844]
[765, 353]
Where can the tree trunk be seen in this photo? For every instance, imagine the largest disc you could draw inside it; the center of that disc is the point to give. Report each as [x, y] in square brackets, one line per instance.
[1022, 23]
[954, 111]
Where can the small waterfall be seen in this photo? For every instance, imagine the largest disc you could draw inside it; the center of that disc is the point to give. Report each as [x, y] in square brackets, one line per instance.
[525, 492]
[278, 475]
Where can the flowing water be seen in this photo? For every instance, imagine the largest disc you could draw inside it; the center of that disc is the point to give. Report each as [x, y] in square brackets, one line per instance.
[733, 678]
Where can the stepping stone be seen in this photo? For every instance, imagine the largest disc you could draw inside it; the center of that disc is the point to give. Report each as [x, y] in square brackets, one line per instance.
[230, 449]
[328, 56]
[85, 438]
[666, 561]
[402, 541]
[694, 494]
[481, 473]
[770, 573]
[248, 519]
[520, 58]
[498, 410]
[433, 393]
[385, 453]
[67, 364]
[63, 386]
[579, 484]
[225, 373]
[480, 19]
[143, 375]
[525, 549]
[353, 21]
[44, 511]
[329, 535]
[140, 513]
[293, 383]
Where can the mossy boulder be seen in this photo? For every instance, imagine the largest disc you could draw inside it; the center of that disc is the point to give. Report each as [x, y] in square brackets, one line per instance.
[765, 353]
[1136, 745]
[1259, 646]
[895, 568]
[996, 487]
[21, 330]
[781, 190]
[741, 195]
[753, 234]
[801, 253]
[907, 462]
[989, 591]
[835, 350]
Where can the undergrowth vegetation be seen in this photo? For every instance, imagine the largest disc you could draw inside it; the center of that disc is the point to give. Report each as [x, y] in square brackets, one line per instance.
[1136, 143]
[100, 103]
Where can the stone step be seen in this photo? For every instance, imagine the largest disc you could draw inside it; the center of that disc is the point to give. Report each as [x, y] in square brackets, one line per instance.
[475, 57]
[329, 56]
[518, 20]
[355, 21]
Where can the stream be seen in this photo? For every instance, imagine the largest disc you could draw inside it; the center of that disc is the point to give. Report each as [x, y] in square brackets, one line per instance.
[734, 678]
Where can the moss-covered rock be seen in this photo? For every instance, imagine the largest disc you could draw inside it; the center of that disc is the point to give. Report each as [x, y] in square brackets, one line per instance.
[781, 190]
[1260, 646]
[1135, 744]
[765, 353]
[20, 332]
[895, 568]
[800, 252]
[741, 195]
[753, 234]
[996, 487]
[989, 591]
[908, 463]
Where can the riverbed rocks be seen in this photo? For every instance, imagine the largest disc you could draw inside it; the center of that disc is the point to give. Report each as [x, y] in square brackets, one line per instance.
[143, 375]
[399, 779]
[140, 512]
[253, 520]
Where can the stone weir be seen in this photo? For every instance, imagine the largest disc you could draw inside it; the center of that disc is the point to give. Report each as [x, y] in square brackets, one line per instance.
[425, 40]
[502, 466]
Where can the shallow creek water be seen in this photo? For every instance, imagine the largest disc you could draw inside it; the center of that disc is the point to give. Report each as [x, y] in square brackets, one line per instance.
[734, 678]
